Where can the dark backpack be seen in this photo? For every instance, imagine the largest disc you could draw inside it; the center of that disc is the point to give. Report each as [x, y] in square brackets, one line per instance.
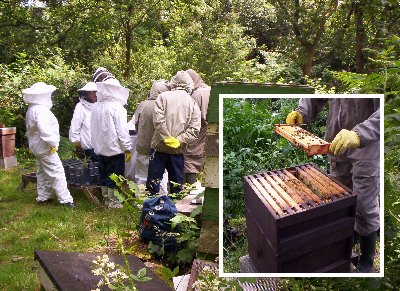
[154, 222]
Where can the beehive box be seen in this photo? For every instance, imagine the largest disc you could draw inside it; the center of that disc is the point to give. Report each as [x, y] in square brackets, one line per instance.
[7, 142]
[299, 220]
[308, 142]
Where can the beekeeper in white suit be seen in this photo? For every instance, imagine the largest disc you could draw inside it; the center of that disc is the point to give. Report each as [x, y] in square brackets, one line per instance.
[79, 131]
[110, 136]
[42, 130]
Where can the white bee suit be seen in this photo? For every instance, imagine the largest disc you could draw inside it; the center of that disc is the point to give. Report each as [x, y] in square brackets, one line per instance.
[42, 130]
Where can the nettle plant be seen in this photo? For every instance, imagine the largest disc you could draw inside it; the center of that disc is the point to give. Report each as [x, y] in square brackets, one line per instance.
[183, 228]
[186, 233]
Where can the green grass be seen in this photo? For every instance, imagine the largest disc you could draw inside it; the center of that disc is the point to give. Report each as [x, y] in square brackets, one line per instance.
[26, 226]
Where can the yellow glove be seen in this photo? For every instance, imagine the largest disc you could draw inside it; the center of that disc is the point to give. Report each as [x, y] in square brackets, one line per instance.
[78, 144]
[294, 117]
[172, 142]
[53, 150]
[128, 156]
[344, 140]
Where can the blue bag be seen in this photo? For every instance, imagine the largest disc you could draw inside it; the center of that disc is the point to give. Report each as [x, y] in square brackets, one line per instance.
[154, 222]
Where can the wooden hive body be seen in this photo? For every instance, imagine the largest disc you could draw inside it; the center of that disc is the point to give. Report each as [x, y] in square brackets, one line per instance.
[299, 220]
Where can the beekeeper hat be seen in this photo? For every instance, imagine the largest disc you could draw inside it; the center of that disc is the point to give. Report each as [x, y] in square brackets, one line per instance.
[38, 93]
[91, 86]
[111, 88]
[99, 72]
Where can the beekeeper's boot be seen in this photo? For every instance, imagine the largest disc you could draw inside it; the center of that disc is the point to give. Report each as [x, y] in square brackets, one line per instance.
[367, 247]
[113, 200]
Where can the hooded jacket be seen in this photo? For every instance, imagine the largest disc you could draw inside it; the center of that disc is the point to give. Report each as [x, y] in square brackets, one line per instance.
[42, 129]
[194, 155]
[79, 131]
[176, 114]
[110, 135]
[144, 118]
[359, 114]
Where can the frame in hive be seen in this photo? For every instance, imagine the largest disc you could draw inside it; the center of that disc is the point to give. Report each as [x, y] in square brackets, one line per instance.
[308, 142]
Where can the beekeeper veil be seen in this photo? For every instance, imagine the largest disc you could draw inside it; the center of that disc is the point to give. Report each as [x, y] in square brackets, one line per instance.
[111, 89]
[39, 93]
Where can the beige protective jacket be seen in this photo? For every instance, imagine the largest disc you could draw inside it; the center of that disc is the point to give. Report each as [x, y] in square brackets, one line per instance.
[144, 118]
[176, 114]
[194, 155]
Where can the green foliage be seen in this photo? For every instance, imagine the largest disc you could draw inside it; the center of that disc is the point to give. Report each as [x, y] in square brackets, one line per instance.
[22, 74]
[208, 279]
[186, 233]
[276, 67]
[385, 80]
[251, 146]
[45, 227]
[188, 236]
[130, 195]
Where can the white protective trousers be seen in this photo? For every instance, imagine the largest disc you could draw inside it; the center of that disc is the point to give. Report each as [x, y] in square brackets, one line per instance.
[141, 172]
[50, 174]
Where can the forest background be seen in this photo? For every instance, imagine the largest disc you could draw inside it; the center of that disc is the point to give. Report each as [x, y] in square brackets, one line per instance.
[349, 46]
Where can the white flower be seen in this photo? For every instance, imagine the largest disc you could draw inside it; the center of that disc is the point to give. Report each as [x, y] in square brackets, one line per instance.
[111, 265]
[101, 283]
[97, 272]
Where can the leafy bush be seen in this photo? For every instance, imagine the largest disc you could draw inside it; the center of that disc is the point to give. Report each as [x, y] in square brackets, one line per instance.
[22, 74]
[250, 144]
[276, 67]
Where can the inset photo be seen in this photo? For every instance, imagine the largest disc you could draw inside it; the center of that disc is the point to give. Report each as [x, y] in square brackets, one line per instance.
[302, 188]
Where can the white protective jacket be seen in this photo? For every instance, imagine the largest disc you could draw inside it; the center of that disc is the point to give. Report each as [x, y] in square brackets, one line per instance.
[42, 129]
[110, 135]
[79, 130]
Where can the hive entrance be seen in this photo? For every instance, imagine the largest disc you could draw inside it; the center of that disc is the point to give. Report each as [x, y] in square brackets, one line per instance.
[288, 191]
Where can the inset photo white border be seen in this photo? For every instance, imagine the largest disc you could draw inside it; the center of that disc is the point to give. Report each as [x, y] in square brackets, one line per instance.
[221, 198]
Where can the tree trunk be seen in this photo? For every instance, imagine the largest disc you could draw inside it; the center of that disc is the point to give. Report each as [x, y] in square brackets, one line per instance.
[310, 52]
[360, 35]
[128, 49]
[128, 42]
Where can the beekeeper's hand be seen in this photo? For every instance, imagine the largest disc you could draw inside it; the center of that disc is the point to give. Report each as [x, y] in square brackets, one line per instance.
[294, 117]
[128, 156]
[344, 140]
[53, 150]
[77, 144]
[172, 142]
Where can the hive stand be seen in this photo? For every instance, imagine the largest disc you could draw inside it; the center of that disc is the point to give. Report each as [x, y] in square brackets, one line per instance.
[208, 241]
[73, 271]
[91, 192]
[7, 147]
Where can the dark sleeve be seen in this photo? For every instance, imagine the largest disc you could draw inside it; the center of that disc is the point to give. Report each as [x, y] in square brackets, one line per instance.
[310, 108]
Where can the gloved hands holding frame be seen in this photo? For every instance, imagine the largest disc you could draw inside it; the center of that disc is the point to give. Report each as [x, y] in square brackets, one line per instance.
[344, 140]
